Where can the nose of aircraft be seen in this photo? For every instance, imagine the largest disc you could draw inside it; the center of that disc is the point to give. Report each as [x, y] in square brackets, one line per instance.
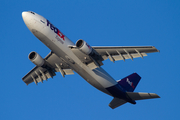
[32, 19]
[23, 14]
[27, 19]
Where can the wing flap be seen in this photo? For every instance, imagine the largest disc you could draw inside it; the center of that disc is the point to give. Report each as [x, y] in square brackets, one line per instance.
[68, 71]
[123, 57]
[37, 74]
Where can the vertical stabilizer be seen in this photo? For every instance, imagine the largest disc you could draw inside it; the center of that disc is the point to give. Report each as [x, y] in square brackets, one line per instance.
[130, 82]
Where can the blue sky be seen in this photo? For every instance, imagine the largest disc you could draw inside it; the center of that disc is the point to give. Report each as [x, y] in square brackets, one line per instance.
[106, 23]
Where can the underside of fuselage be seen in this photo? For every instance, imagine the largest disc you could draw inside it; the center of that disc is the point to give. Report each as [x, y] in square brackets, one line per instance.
[76, 67]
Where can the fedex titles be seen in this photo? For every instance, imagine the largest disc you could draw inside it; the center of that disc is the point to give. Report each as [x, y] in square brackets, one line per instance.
[55, 30]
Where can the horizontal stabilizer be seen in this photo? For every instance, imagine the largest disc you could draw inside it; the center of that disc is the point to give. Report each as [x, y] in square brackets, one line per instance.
[141, 96]
[116, 102]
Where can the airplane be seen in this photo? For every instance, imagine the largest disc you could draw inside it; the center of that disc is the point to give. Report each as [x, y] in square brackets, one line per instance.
[66, 57]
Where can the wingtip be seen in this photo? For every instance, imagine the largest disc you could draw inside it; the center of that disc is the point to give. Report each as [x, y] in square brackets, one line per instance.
[154, 95]
[158, 96]
[111, 106]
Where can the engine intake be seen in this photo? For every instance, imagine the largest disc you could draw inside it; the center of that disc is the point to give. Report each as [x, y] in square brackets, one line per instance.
[36, 59]
[84, 47]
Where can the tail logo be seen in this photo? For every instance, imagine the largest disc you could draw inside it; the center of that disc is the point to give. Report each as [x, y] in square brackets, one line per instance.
[130, 83]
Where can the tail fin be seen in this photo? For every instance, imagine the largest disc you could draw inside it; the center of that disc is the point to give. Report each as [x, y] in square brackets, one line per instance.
[130, 82]
[141, 96]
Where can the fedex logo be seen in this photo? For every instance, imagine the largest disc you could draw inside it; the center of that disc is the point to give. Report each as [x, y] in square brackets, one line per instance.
[130, 83]
[52, 27]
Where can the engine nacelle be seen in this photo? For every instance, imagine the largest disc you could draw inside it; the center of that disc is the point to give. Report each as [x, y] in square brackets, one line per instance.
[36, 59]
[84, 47]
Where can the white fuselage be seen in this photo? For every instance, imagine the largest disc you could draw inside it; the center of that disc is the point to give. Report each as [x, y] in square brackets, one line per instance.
[59, 44]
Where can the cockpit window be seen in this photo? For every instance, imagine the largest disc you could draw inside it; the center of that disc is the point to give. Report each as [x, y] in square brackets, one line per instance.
[32, 12]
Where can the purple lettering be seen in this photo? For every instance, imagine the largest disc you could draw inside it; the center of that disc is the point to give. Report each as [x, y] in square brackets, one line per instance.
[48, 23]
[52, 27]
[55, 30]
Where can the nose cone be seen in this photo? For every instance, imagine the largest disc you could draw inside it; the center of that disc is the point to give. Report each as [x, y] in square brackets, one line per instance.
[27, 19]
[32, 20]
[24, 16]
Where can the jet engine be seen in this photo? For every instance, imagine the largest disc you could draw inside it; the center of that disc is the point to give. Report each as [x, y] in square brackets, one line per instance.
[36, 59]
[84, 47]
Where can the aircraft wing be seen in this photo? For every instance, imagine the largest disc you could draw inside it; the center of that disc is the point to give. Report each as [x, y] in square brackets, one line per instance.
[55, 64]
[123, 53]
